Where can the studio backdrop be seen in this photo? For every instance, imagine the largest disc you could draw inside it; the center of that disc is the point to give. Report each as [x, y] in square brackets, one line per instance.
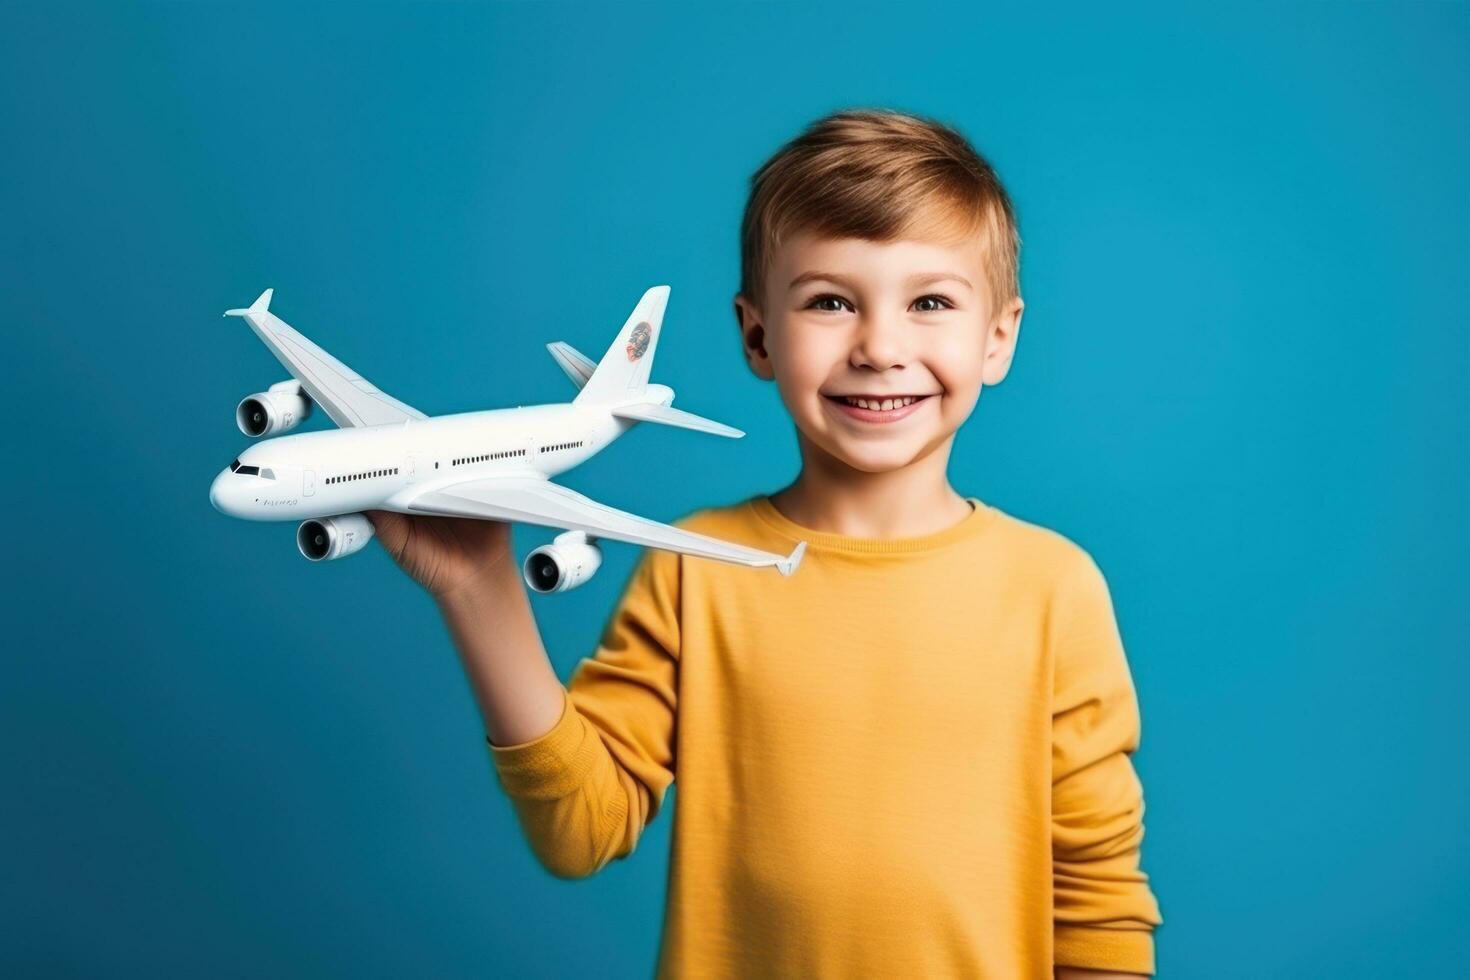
[1239, 384]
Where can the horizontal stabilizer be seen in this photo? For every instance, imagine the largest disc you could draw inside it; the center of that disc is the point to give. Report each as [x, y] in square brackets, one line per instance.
[666, 415]
[574, 363]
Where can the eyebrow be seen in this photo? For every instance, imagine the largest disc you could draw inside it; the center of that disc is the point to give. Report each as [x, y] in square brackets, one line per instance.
[805, 277]
[922, 279]
[929, 278]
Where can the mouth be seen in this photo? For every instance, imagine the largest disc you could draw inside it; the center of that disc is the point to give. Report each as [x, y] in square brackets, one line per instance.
[885, 408]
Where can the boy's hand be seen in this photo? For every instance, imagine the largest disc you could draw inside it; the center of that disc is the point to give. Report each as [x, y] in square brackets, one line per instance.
[443, 554]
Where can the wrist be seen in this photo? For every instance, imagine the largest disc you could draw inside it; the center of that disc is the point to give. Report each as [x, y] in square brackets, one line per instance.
[497, 577]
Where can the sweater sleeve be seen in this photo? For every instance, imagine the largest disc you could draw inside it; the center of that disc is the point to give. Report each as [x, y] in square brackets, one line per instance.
[584, 791]
[1105, 912]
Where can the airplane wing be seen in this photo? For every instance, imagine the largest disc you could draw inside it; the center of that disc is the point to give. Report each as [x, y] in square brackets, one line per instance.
[347, 397]
[530, 500]
[574, 363]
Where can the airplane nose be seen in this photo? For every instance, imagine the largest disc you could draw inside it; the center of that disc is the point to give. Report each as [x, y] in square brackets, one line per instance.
[219, 492]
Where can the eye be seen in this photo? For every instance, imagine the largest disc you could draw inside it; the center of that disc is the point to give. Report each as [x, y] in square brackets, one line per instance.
[932, 303]
[828, 303]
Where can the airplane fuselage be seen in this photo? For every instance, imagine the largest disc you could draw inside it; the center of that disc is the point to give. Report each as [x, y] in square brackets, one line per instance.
[325, 473]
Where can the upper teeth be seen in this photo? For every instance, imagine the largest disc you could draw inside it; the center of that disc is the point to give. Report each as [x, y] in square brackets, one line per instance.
[887, 404]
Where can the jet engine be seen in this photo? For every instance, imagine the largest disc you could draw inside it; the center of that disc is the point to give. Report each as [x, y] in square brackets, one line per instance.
[280, 408]
[333, 537]
[566, 563]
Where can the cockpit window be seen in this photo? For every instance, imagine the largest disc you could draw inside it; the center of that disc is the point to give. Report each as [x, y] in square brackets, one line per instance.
[245, 469]
[234, 466]
[267, 474]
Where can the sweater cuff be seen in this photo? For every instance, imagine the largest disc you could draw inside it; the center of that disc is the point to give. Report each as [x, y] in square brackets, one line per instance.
[1121, 950]
[549, 766]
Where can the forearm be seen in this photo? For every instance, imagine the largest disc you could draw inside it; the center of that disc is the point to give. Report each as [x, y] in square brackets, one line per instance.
[584, 785]
[491, 624]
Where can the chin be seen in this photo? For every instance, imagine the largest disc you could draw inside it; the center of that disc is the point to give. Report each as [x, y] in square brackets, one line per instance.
[881, 460]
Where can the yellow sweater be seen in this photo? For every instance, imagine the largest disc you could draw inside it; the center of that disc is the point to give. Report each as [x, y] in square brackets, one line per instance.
[909, 759]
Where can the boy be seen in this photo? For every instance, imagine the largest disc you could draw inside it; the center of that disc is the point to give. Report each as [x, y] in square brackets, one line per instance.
[911, 758]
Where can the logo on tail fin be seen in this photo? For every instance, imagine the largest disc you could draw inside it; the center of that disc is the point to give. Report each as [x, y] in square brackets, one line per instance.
[638, 341]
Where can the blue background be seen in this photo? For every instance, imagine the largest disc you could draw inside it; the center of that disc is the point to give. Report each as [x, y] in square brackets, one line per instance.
[1240, 384]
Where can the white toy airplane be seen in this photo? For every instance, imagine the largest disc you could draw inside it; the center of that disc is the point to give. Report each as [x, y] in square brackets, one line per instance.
[492, 465]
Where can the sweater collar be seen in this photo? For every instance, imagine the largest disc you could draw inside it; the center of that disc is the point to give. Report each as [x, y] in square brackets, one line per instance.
[978, 519]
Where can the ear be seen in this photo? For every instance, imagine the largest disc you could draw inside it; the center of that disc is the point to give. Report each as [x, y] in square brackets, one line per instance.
[753, 337]
[1000, 343]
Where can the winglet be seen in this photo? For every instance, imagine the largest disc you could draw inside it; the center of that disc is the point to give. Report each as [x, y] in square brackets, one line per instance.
[787, 565]
[262, 304]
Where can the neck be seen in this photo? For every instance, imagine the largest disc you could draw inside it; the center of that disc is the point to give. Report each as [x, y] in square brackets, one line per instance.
[908, 501]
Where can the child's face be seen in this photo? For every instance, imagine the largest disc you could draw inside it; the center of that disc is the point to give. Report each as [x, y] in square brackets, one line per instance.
[857, 317]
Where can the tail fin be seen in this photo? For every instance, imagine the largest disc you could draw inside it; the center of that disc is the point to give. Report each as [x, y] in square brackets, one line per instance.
[623, 370]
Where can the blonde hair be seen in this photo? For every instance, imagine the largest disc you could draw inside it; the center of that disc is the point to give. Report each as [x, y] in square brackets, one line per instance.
[878, 174]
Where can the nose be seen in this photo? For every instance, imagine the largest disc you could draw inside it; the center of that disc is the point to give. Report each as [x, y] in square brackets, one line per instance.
[219, 493]
[881, 342]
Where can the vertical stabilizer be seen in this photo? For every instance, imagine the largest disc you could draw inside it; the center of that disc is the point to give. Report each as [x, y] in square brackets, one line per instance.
[623, 371]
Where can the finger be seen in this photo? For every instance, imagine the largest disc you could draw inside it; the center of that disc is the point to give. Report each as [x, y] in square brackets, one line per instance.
[391, 529]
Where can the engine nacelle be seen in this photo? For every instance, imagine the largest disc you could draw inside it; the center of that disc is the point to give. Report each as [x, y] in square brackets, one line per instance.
[566, 563]
[280, 408]
[333, 537]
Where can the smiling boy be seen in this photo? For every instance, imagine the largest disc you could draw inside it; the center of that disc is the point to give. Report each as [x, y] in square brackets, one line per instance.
[912, 758]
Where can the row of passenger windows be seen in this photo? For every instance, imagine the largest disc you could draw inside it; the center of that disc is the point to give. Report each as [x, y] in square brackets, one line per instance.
[462, 461]
[370, 474]
[480, 459]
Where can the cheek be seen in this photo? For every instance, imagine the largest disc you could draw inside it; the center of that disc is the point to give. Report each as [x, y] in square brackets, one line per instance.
[958, 364]
[805, 361]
